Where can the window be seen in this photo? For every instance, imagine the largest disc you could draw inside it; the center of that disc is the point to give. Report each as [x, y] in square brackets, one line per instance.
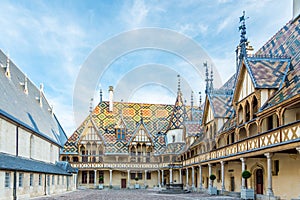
[91, 177]
[52, 179]
[7, 180]
[58, 177]
[21, 177]
[40, 179]
[148, 175]
[75, 159]
[63, 180]
[132, 176]
[120, 134]
[84, 177]
[31, 180]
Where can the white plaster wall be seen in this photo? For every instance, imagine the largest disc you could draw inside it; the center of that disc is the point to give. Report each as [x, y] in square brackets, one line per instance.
[178, 133]
[7, 137]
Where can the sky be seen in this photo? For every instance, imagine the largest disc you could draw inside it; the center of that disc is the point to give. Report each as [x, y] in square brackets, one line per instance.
[110, 42]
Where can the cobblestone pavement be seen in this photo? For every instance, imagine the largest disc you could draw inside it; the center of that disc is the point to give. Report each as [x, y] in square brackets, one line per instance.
[129, 195]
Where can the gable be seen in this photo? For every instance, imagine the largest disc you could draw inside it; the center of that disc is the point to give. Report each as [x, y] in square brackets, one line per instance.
[246, 88]
[244, 84]
[208, 112]
[141, 136]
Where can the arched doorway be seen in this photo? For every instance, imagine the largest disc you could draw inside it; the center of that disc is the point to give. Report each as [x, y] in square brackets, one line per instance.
[259, 181]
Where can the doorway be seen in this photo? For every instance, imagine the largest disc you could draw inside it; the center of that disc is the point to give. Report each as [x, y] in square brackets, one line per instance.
[259, 181]
[123, 183]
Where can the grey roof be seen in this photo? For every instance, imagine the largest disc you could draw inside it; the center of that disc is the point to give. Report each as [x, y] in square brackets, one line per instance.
[25, 108]
[9, 162]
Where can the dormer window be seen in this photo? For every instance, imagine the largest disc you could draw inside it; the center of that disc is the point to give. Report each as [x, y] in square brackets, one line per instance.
[120, 133]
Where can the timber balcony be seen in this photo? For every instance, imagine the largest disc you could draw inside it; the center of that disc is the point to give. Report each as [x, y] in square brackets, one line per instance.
[124, 162]
[278, 139]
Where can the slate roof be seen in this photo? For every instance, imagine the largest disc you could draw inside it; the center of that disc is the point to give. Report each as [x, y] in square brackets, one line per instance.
[25, 108]
[9, 162]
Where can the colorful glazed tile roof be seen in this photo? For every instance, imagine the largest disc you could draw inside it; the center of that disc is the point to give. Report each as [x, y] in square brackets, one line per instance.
[174, 148]
[291, 88]
[179, 115]
[267, 72]
[156, 118]
[221, 104]
[286, 42]
[193, 128]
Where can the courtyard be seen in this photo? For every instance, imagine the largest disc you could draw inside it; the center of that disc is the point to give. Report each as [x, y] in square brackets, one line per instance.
[129, 195]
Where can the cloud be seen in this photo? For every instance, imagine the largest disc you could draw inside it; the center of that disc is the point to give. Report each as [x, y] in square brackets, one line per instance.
[135, 14]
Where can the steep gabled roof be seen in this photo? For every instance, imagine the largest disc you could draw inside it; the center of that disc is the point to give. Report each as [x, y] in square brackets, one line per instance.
[24, 107]
[179, 115]
[140, 126]
[221, 104]
[267, 72]
[285, 42]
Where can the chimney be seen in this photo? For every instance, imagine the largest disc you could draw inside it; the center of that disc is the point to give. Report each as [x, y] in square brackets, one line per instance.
[111, 97]
[296, 8]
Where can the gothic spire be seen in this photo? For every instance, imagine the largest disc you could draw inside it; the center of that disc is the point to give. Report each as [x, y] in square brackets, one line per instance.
[241, 50]
[200, 101]
[192, 104]
[206, 77]
[91, 106]
[178, 91]
[211, 80]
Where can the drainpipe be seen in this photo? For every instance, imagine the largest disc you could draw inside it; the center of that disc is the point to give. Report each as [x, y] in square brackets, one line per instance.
[15, 186]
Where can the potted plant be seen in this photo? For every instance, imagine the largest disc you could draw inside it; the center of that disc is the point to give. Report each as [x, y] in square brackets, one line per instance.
[136, 186]
[101, 182]
[211, 189]
[245, 192]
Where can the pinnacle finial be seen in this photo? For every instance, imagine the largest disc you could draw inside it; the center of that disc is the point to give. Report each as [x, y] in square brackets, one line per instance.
[206, 77]
[192, 99]
[178, 76]
[91, 106]
[211, 79]
[100, 95]
[200, 100]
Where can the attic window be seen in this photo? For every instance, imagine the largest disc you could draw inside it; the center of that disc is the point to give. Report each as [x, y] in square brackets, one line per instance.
[120, 133]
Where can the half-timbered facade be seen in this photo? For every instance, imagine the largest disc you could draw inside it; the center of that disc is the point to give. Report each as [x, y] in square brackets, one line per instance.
[250, 123]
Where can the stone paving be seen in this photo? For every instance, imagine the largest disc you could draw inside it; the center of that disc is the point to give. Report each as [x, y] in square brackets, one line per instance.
[129, 195]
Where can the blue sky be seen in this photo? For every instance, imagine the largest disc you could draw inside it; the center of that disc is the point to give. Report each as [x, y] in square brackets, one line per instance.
[50, 41]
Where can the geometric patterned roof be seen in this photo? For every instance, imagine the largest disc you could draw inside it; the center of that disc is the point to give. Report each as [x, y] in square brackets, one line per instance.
[179, 115]
[285, 42]
[155, 118]
[221, 104]
[267, 72]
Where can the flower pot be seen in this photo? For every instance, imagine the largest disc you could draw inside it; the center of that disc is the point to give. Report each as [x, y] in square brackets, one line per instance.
[100, 186]
[136, 186]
